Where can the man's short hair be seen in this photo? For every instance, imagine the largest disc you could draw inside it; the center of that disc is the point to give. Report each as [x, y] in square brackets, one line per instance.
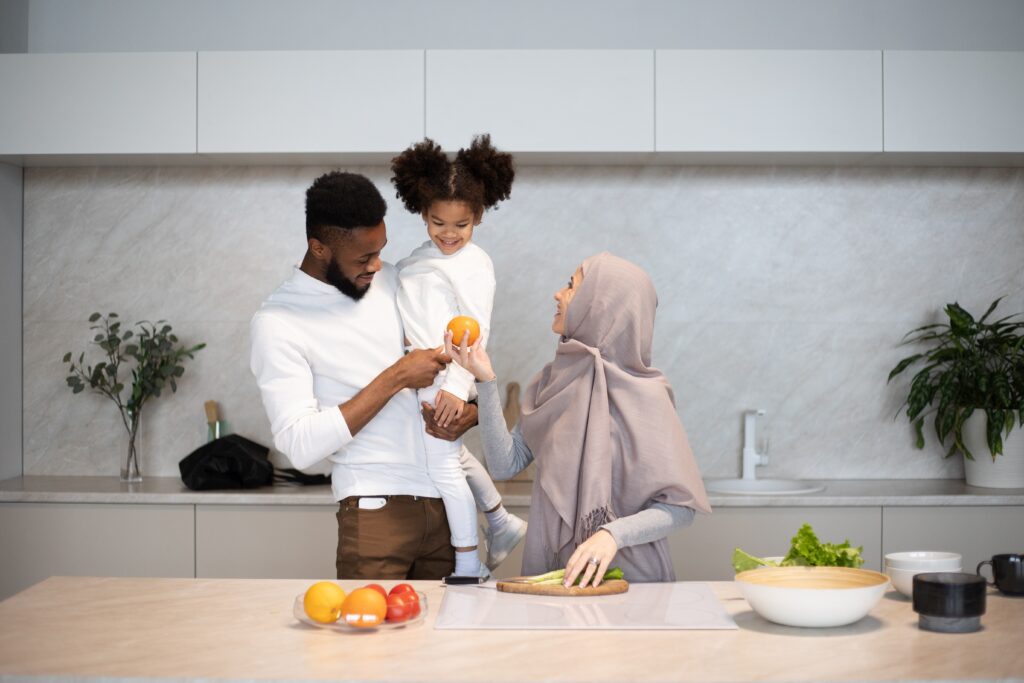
[342, 200]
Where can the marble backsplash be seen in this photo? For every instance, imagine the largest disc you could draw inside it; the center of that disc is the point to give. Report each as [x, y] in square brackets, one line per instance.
[780, 288]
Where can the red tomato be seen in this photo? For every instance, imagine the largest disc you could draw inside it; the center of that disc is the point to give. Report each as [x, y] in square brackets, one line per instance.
[402, 606]
[402, 588]
[377, 587]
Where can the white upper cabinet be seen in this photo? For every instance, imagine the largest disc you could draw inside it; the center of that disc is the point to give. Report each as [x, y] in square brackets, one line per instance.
[769, 101]
[124, 103]
[345, 101]
[954, 101]
[542, 100]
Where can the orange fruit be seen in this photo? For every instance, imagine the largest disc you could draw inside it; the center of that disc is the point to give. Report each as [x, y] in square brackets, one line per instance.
[364, 608]
[323, 601]
[461, 324]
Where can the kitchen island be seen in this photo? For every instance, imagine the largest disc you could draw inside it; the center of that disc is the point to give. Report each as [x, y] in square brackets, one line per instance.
[190, 629]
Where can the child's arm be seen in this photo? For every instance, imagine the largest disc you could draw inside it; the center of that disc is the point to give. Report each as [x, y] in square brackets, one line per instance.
[475, 296]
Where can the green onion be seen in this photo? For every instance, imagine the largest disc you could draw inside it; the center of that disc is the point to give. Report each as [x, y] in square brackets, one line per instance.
[558, 576]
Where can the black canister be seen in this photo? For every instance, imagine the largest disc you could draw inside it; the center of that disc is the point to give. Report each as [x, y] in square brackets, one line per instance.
[950, 602]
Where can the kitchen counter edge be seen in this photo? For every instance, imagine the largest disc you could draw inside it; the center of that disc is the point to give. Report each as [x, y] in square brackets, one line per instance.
[171, 491]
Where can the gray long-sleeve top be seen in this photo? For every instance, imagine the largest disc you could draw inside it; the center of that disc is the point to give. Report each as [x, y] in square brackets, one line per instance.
[507, 454]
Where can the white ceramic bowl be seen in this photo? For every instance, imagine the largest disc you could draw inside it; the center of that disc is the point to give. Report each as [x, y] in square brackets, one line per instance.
[903, 579]
[812, 597]
[925, 560]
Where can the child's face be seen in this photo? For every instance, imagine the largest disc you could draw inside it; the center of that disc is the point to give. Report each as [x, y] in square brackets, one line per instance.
[450, 225]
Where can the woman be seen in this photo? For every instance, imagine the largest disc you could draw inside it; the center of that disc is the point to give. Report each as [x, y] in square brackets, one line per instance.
[615, 473]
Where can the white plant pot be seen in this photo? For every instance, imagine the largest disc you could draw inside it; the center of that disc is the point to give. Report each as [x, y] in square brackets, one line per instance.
[1007, 471]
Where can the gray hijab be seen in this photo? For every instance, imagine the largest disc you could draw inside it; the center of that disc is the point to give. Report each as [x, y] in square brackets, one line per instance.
[602, 425]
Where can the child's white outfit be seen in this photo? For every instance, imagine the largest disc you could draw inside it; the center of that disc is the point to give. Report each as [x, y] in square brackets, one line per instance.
[434, 288]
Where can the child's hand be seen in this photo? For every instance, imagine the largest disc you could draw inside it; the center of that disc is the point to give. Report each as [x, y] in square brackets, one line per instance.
[473, 358]
[448, 407]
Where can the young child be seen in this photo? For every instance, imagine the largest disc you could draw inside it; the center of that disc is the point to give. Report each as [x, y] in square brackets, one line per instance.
[448, 276]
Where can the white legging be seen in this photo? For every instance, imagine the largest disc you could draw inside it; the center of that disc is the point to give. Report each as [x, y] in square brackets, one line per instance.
[461, 479]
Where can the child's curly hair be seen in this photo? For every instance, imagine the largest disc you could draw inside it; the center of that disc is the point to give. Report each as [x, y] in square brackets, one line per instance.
[481, 176]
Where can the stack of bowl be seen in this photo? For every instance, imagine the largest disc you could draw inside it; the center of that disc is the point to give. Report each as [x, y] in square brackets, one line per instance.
[902, 567]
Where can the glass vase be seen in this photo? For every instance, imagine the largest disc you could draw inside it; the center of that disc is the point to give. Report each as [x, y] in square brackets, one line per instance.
[130, 472]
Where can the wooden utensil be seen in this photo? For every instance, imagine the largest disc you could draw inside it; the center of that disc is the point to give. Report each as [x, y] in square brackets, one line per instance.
[212, 419]
[520, 585]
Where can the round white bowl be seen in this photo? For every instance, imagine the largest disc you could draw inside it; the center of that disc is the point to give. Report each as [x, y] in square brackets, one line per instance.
[925, 560]
[812, 597]
[903, 579]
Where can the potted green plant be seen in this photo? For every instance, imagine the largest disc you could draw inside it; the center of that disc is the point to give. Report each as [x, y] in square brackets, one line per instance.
[972, 384]
[159, 362]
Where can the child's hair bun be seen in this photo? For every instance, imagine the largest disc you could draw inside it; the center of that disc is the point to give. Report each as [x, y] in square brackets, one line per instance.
[494, 170]
[421, 172]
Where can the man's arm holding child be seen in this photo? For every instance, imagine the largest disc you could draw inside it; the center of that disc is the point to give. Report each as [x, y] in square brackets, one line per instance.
[303, 430]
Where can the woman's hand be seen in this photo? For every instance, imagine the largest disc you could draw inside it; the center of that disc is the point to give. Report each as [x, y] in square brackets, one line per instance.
[447, 407]
[473, 358]
[601, 548]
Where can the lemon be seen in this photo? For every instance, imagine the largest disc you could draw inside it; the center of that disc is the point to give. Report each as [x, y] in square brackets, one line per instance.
[323, 601]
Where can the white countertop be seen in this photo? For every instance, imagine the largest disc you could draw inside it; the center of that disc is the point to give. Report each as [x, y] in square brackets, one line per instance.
[133, 629]
[170, 490]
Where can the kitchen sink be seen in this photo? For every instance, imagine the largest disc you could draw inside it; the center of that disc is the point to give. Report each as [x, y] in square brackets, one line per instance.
[761, 487]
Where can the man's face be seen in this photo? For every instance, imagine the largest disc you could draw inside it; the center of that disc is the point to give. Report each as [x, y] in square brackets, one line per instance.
[354, 259]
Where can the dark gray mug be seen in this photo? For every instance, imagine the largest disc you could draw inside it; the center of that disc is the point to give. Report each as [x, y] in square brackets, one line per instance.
[1007, 572]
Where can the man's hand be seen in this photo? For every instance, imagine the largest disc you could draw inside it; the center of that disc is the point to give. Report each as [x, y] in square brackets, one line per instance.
[455, 428]
[418, 368]
[447, 407]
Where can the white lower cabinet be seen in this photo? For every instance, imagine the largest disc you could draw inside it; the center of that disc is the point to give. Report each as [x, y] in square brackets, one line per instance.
[40, 540]
[976, 532]
[703, 552]
[266, 541]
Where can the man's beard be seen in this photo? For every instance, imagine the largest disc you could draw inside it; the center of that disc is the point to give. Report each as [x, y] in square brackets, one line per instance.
[343, 284]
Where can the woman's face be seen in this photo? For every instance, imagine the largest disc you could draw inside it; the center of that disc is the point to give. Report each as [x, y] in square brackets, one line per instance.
[562, 299]
[450, 225]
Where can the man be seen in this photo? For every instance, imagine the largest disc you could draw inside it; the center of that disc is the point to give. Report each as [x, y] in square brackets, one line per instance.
[328, 355]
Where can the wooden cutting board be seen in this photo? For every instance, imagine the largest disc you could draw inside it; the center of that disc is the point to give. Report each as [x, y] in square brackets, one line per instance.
[517, 585]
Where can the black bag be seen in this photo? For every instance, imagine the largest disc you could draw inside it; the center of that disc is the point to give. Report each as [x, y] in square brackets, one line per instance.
[230, 462]
[235, 462]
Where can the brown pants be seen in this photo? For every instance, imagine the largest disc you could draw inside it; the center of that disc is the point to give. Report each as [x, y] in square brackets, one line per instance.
[408, 538]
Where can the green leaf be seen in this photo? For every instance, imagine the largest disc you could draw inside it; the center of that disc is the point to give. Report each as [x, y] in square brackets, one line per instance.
[919, 431]
[67, 357]
[991, 308]
[960, 320]
[98, 338]
[128, 334]
[94, 317]
[112, 315]
[78, 389]
[903, 365]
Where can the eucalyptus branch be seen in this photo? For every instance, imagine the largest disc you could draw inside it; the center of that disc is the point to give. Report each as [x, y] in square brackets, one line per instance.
[156, 359]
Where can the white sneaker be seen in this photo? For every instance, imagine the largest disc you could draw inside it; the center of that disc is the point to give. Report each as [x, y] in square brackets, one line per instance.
[499, 545]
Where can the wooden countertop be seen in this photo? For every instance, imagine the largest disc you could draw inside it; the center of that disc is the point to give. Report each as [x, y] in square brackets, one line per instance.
[244, 630]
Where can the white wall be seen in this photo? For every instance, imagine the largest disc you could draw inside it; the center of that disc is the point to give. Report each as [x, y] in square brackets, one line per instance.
[10, 314]
[143, 25]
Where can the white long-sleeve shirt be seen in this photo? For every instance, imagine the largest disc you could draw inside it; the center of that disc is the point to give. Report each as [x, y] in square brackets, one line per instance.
[434, 289]
[313, 349]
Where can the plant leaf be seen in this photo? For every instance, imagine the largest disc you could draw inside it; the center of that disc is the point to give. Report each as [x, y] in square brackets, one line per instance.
[903, 365]
[94, 317]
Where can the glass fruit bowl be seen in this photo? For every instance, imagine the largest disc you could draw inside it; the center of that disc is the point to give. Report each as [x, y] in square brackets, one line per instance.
[300, 613]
